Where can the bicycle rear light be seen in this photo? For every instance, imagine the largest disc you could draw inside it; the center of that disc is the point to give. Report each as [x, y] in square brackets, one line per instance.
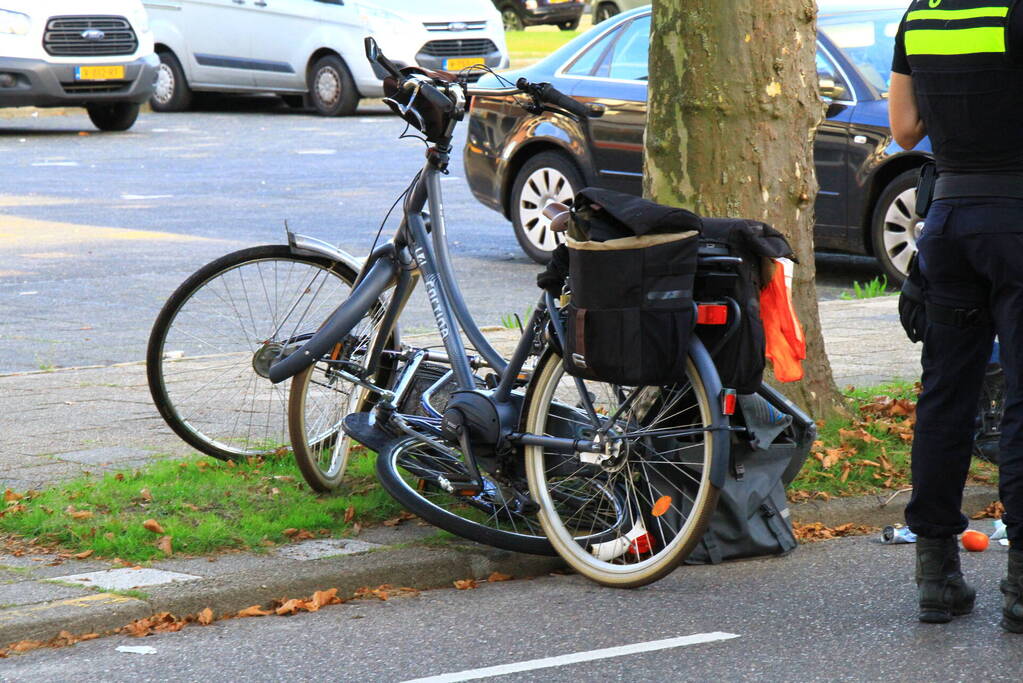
[711, 314]
[728, 400]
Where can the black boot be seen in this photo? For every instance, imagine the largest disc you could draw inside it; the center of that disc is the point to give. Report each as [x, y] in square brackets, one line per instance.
[941, 587]
[1012, 589]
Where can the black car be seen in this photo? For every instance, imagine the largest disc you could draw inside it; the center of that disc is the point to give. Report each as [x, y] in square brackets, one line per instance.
[518, 14]
[515, 163]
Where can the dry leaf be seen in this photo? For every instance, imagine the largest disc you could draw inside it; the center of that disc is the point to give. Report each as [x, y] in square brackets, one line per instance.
[164, 544]
[10, 496]
[994, 511]
[324, 598]
[349, 514]
[290, 532]
[78, 514]
[119, 476]
[466, 584]
[145, 495]
[153, 526]
[253, 611]
[82, 555]
[290, 607]
[498, 576]
[205, 617]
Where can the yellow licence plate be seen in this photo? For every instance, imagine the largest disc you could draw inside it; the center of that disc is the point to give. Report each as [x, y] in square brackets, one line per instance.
[99, 73]
[462, 63]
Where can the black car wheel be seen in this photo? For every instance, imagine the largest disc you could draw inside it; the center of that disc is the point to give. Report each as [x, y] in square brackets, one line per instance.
[512, 20]
[896, 226]
[117, 116]
[171, 92]
[331, 88]
[569, 25]
[605, 10]
[547, 177]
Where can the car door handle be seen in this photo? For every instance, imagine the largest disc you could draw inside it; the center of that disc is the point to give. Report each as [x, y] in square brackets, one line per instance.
[238, 2]
[259, 4]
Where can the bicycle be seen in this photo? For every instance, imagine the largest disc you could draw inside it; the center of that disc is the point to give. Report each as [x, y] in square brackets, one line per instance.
[211, 345]
[620, 481]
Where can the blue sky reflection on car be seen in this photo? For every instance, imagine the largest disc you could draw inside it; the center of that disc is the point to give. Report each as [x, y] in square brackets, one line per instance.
[866, 205]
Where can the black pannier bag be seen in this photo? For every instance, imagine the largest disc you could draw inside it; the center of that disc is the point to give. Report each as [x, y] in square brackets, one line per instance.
[741, 360]
[752, 516]
[631, 267]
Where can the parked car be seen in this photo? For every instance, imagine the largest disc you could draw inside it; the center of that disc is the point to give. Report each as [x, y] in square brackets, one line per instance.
[516, 162]
[518, 14]
[605, 9]
[311, 52]
[53, 54]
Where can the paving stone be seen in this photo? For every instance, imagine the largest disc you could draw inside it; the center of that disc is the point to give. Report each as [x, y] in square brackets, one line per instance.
[126, 578]
[30, 592]
[105, 455]
[328, 547]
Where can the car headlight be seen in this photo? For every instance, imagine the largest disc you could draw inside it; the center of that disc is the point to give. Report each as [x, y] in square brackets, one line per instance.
[379, 20]
[14, 22]
[531, 5]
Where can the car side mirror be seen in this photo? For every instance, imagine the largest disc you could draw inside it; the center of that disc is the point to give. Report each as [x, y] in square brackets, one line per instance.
[372, 50]
[830, 90]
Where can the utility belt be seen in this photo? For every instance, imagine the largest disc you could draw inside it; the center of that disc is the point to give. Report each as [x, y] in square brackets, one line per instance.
[932, 187]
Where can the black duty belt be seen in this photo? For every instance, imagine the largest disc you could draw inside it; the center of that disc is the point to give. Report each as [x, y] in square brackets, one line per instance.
[978, 185]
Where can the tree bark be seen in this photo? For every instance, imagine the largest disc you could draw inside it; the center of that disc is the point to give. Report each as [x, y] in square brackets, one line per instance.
[733, 111]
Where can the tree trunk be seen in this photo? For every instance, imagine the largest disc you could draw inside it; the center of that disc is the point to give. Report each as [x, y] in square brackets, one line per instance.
[733, 110]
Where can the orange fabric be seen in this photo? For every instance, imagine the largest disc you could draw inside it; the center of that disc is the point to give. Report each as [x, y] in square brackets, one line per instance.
[786, 346]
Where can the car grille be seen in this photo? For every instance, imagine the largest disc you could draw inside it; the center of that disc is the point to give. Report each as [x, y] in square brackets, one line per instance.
[94, 89]
[63, 37]
[447, 25]
[468, 47]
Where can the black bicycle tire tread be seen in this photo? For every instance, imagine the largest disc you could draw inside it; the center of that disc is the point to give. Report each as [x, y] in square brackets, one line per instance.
[184, 291]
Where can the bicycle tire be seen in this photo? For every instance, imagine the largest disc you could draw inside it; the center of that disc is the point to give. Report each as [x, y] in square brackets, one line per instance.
[647, 547]
[319, 400]
[222, 423]
[428, 500]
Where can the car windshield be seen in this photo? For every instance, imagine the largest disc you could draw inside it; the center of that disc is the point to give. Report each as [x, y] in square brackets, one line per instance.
[867, 39]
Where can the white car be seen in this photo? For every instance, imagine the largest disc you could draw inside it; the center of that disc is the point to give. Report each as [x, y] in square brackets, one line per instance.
[67, 53]
[311, 52]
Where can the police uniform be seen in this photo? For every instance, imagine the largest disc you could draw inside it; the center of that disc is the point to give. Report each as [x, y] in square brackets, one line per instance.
[965, 58]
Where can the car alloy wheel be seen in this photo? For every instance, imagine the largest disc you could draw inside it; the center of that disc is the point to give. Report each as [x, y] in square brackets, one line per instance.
[163, 92]
[543, 186]
[897, 227]
[512, 20]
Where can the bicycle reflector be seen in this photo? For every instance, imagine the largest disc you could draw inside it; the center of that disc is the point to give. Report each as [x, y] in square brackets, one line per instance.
[711, 314]
[728, 400]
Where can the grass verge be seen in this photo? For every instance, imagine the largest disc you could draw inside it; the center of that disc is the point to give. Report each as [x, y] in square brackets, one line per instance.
[198, 507]
[532, 45]
[869, 452]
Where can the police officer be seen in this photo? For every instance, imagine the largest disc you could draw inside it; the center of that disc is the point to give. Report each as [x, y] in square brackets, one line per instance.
[958, 78]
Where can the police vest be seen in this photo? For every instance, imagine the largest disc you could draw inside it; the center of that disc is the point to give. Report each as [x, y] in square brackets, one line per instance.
[969, 90]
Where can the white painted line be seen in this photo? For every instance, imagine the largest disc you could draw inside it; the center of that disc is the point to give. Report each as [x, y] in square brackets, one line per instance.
[576, 658]
[55, 163]
[322, 152]
[146, 196]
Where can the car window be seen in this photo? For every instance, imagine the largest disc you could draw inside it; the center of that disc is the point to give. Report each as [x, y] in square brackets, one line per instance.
[867, 40]
[826, 70]
[628, 58]
[587, 61]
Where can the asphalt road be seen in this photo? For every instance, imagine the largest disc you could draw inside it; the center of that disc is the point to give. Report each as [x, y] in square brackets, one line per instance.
[96, 230]
[843, 610]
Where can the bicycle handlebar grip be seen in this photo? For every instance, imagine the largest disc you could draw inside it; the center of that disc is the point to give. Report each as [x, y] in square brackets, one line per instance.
[551, 95]
[339, 324]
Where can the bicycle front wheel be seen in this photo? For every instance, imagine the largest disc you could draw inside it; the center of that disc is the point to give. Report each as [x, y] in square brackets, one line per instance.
[214, 340]
[659, 464]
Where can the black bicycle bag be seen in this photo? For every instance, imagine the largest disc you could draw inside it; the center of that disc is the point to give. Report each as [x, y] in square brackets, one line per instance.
[631, 269]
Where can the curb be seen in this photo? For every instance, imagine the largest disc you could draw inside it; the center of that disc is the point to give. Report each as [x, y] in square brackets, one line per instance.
[418, 567]
[877, 510]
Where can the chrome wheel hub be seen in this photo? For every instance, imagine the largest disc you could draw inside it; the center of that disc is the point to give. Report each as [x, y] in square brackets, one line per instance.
[543, 186]
[328, 86]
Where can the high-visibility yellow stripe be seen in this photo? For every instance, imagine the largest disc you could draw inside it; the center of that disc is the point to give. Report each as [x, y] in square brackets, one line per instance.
[964, 41]
[953, 14]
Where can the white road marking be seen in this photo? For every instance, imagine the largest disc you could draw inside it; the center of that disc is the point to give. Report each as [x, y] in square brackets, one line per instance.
[146, 196]
[564, 660]
[323, 152]
[55, 163]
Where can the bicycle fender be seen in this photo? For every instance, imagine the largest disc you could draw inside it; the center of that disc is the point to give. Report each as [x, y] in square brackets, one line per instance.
[721, 437]
[339, 323]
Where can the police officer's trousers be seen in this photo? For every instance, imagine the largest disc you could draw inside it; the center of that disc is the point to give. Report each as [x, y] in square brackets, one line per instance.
[971, 256]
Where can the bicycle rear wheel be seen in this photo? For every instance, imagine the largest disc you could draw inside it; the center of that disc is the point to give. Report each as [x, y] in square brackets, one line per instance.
[218, 333]
[664, 479]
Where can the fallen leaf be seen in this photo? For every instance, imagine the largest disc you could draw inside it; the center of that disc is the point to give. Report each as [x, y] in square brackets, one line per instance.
[10, 496]
[498, 576]
[290, 532]
[290, 607]
[153, 526]
[145, 495]
[994, 511]
[466, 584]
[205, 617]
[253, 611]
[164, 544]
[82, 555]
[349, 514]
[323, 598]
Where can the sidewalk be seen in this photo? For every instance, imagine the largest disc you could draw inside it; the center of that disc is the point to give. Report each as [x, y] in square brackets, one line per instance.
[60, 424]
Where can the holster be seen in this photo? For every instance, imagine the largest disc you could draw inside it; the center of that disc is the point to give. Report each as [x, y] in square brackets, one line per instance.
[925, 188]
[912, 308]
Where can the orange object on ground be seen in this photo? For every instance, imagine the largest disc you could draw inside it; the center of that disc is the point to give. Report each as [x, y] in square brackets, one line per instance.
[786, 345]
[974, 541]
